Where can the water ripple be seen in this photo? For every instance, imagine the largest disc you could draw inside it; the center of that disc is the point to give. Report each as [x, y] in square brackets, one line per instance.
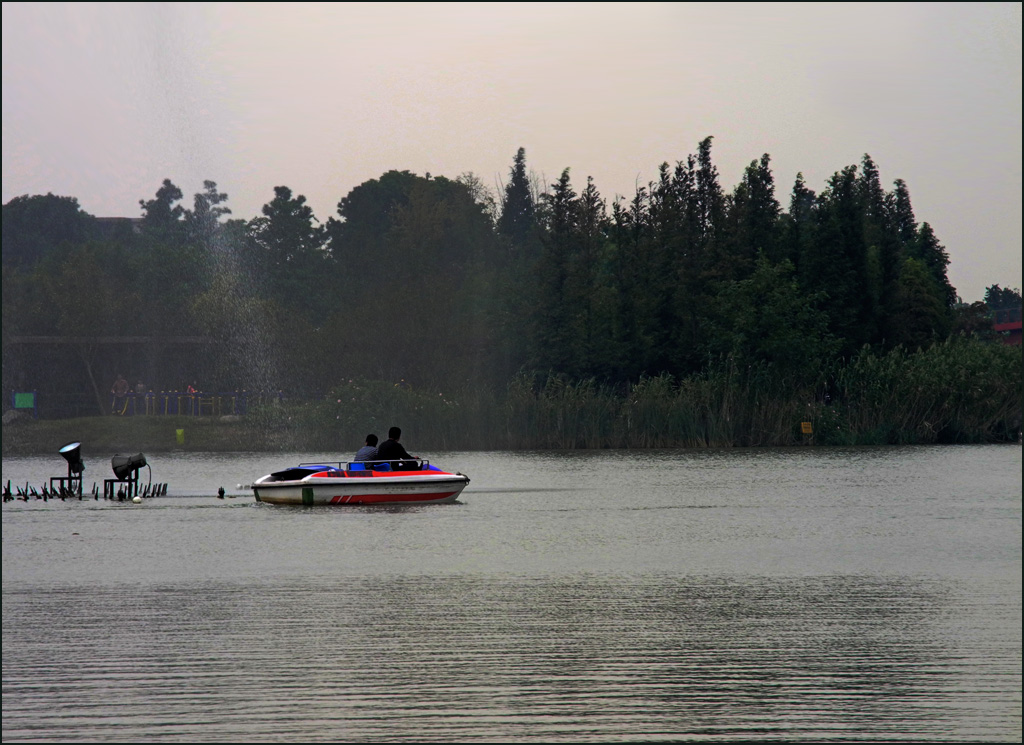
[512, 659]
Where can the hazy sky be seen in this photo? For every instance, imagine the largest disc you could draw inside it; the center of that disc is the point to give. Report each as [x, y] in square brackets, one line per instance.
[104, 101]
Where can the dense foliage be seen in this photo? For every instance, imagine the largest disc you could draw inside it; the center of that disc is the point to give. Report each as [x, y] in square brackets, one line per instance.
[685, 315]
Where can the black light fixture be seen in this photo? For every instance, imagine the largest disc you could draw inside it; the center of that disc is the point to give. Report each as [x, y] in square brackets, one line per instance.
[125, 465]
[72, 453]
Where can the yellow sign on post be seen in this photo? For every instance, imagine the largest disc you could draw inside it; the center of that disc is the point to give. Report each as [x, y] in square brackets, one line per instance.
[181, 436]
[806, 428]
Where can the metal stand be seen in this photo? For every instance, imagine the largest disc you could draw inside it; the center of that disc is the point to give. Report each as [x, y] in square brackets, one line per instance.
[110, 488]
[70, 484]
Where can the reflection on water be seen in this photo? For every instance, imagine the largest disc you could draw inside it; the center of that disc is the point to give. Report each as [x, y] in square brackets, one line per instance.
[789, 595]
[507, 659]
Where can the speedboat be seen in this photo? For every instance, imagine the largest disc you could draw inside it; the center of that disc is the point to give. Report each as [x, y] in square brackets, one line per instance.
[361, 483]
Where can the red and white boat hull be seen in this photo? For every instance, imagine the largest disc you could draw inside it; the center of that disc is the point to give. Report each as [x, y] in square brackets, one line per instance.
[367, 488]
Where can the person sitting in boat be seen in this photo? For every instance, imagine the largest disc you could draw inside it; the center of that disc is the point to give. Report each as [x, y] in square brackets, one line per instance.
[392, 450]
[369, 450]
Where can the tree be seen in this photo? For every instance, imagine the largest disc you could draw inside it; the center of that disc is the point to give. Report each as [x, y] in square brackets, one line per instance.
[882, 248]
[358, 238]
[517, 227]
[668, 270]
[974, 319]
[999, 298]
[927, 249]
[836, 261]
[709, 204]
[586, 293]
[901, 213]
[163, 211]
[753, 221]
[1003, 304]
[769, 319]
[629, 239]
[33, 226]
[517, 221]
[439, 286]
[250, 329]
[88, 298]
[417, 261]
[202, 222]
[285, 254]
[480, 193]
[920, 316]
[554, 342]
[796, 227]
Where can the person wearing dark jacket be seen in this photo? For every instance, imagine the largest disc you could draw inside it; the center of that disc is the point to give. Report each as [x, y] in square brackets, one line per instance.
[392, 450]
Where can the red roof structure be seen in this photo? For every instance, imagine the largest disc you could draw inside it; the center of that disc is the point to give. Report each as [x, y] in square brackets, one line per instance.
[1006, 323]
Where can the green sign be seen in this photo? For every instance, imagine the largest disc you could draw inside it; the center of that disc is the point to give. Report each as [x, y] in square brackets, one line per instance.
[24, 400]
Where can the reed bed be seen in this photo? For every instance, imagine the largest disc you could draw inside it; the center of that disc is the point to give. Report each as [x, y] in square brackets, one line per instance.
[956, 391]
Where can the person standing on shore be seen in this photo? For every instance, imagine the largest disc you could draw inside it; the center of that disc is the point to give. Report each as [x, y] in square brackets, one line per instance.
[120, 394]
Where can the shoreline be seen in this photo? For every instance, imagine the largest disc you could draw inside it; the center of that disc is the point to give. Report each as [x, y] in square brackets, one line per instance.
[214, 435]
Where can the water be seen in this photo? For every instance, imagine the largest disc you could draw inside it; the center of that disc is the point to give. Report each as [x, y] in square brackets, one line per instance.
[799, 594]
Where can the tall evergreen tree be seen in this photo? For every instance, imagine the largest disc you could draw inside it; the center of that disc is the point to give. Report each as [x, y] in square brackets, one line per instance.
[872, 196]
[933, 255]
[836, 262]
[587, 285]
[555, 346]
[710, 201]
[901, 212]
[664, 255]
[881, 249]
[517, 221]
[796, 227]
[753, 221]
[629, 241]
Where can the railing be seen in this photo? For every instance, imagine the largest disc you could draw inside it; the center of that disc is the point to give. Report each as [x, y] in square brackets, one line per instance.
[178, 403]
[416, 464]
[151, 403]
[1006, 316]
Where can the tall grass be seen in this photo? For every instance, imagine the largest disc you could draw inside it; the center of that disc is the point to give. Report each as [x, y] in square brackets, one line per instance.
[957, 391]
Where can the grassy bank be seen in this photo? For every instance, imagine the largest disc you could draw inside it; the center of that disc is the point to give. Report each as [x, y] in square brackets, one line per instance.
[130, 435]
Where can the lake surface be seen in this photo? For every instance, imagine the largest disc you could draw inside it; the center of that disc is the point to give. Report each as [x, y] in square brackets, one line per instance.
[797, 594]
